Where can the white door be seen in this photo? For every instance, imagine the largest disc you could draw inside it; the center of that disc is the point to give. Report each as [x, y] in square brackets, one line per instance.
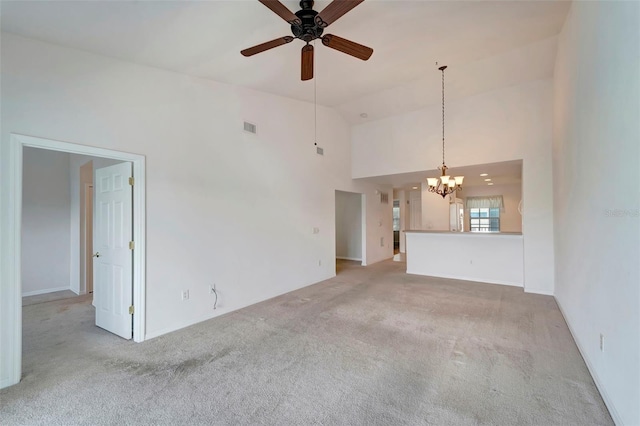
[113, 259]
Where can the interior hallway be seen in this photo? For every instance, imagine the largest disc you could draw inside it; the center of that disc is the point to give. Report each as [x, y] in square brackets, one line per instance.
[371, 346]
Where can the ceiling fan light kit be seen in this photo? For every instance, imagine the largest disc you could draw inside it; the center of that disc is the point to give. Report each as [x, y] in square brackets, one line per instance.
[308, 25]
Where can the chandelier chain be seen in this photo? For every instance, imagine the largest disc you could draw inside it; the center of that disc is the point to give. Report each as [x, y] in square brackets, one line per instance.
[315, 102]
[442, 116]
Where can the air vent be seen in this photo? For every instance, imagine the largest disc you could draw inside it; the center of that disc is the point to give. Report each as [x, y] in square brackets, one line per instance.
[319, 151]
[250, 127]
[384, 198]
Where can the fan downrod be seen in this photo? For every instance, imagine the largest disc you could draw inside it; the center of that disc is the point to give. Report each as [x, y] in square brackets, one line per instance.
[311, 28]
[306, 4]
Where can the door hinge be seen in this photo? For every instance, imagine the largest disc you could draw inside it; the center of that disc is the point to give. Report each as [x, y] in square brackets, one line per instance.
[132, 245]
[131, 181]
[131, 310]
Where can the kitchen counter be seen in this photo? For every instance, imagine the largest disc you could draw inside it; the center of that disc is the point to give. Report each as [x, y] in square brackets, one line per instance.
[421, 231]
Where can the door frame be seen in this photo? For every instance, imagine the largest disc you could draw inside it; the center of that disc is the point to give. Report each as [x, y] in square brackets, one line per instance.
[87, 236]
[11, 287]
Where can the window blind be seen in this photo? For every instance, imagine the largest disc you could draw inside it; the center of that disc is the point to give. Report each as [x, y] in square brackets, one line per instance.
[492, 202]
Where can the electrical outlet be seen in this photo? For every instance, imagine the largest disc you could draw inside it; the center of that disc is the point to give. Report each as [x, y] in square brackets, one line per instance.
[601, 342]
[185, 294]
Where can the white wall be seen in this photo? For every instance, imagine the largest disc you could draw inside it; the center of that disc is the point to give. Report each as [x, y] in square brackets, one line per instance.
[597, 194]
[508, 124]
[45, 222]
[435, 210]
[348, 225]
[223, 206]
[415, 210]
[510, 218]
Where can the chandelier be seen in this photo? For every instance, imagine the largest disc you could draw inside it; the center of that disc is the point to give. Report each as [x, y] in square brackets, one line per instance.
[445, 184]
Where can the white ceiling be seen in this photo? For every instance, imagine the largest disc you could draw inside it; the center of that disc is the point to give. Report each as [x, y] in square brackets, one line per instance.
[486, 44]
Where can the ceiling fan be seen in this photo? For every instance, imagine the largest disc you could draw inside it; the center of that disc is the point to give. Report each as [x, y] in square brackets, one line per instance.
[308, 25]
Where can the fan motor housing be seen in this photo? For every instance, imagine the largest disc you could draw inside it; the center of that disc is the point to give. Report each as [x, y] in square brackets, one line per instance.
[309, 30]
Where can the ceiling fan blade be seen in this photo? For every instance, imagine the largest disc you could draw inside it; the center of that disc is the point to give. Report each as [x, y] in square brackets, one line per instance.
[306, 72]
[346, 46]
[266, 46]
[334, 11]
[282, 11]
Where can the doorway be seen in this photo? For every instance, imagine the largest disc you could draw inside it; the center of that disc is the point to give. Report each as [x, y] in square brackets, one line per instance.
[11, 290]
[396, 227]
[350, 242]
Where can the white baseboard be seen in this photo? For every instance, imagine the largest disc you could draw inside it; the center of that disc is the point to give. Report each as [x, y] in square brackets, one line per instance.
[607, 401]
[5, 383]
[536, 291]
[222, 311]
[216, 313]
[348, 258]
[472, 279]
[377, 261]
[45, 291]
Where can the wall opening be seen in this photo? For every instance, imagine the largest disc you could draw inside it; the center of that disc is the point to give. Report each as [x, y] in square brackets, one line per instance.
[349, 227]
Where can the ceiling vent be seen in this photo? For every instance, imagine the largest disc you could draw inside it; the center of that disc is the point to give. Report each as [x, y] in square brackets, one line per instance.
[250, 127]
[319, 151]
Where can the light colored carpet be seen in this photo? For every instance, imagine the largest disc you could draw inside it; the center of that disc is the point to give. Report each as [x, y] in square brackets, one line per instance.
[373, 346]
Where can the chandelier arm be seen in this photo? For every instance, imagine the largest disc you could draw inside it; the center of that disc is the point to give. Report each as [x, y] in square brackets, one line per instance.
[315, 104]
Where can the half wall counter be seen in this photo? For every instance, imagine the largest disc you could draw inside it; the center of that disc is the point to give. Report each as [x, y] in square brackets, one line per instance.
[490, 257]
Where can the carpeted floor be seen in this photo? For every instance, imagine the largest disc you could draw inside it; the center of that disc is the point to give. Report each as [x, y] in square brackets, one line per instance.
[373, 346]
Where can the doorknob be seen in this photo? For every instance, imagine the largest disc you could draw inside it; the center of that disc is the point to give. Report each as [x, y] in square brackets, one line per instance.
[97, 254]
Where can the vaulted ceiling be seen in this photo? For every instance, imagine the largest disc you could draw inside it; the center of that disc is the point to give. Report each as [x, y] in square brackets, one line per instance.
[486, 44]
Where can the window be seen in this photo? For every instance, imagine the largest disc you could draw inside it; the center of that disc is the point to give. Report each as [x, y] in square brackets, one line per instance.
[396, 215]
[484, 219]
[484, 213]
